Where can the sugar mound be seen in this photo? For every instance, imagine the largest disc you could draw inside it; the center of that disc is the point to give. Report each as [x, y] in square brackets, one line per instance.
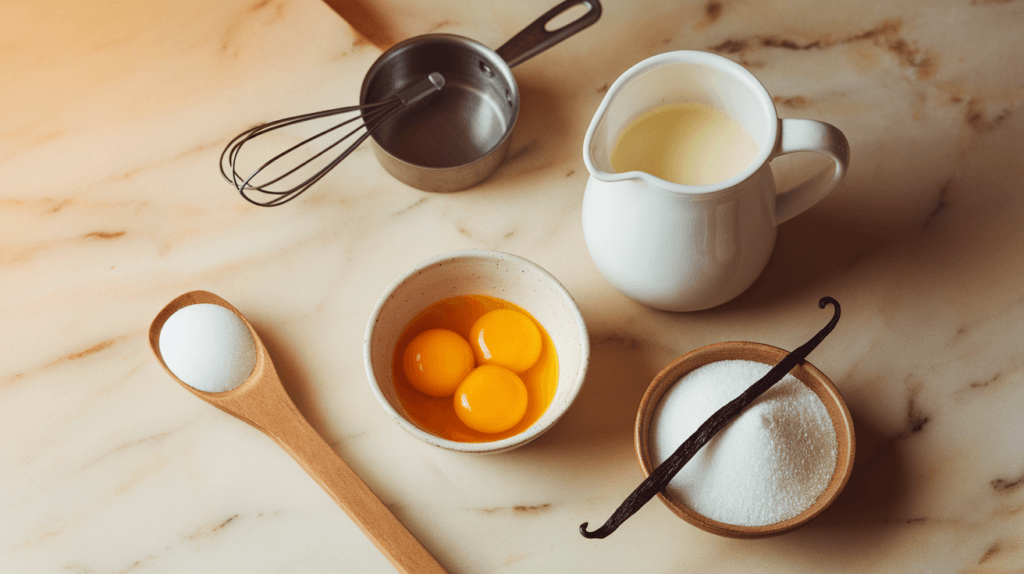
[768, 465]
[208, 347]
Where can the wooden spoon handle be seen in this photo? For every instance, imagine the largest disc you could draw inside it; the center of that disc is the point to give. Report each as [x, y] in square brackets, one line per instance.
[390, 536]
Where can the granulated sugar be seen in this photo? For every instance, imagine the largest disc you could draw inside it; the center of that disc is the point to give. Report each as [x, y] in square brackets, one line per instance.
[770, 464]
[208, 347]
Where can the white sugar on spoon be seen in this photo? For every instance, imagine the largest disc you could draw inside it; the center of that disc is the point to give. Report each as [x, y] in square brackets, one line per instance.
[208, 347]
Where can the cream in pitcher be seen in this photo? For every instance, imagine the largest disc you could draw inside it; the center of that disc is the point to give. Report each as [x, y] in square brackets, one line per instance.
[688, 222]
[686, 143]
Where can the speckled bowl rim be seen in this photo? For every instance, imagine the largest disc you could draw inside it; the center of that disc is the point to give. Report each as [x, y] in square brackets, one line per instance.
[806, 373]
[492, 447]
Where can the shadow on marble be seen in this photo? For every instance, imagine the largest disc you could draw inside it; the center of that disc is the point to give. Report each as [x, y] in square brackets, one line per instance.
[814, 249]
[542, 137]
[605, 410]
[857, 526]
[366, 21]
[862, 519]
[960, 225]
[295, 378]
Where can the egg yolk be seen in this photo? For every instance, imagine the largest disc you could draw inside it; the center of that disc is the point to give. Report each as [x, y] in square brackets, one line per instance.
[436, 361]
[491, 399]
[507, 338]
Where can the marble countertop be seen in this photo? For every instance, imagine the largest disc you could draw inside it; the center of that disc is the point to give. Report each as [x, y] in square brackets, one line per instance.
[115, 114]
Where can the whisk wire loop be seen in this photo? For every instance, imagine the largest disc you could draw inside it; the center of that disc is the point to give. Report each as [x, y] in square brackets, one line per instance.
[370, 117]
[373, 116]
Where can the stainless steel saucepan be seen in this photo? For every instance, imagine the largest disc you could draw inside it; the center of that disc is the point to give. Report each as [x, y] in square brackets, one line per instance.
[463, 134]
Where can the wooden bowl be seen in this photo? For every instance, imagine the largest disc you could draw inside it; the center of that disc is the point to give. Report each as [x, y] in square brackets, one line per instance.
[806, 373]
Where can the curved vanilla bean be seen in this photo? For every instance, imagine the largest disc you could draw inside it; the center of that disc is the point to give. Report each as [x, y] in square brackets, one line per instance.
[661, 476]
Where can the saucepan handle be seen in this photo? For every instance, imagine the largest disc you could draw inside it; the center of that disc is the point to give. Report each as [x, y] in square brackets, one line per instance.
[535, 38]
[810, 135]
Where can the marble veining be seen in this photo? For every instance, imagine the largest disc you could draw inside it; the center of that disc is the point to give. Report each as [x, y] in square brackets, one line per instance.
[112, 205]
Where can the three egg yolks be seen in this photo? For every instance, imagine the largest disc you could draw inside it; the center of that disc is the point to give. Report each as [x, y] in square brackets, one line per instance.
[491, 397]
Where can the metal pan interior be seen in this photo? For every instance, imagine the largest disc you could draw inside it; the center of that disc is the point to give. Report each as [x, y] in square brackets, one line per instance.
[472, 115]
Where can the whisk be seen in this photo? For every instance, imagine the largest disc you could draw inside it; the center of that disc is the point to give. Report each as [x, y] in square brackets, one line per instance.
[373, 116]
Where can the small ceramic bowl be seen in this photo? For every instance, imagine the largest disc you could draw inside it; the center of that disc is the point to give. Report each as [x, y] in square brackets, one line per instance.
[478, 272]
[806, 373]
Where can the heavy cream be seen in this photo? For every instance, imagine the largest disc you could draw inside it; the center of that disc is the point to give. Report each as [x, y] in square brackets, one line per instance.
[687, 143]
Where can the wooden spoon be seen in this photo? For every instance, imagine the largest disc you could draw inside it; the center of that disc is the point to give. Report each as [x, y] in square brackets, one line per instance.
[262, 402]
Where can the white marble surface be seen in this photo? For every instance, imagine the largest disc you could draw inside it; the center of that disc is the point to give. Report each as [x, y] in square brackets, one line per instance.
[115, 114]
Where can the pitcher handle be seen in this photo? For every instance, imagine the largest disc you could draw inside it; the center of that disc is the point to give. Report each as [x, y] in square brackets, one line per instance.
[810, 135]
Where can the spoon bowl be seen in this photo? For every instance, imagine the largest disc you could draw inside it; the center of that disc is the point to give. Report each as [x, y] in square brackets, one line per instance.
[262, 402]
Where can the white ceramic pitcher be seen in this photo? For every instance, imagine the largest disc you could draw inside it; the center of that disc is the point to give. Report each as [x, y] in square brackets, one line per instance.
[690, 247]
